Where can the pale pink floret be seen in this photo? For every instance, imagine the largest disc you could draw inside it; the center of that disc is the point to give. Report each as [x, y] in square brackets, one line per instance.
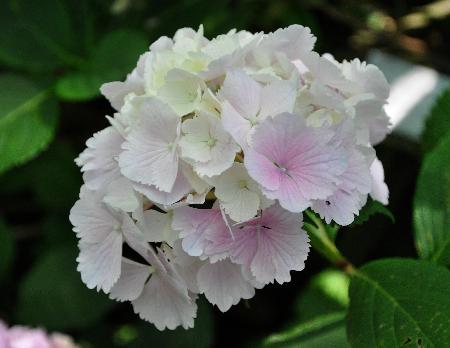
[246, 103]
[26, 337]
[355, 184]
[269, 247]
[293, 163]
[98, 161]
[150, 152]
[158, 293]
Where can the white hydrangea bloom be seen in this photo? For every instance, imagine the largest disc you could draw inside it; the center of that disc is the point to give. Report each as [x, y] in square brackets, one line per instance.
[257, 127]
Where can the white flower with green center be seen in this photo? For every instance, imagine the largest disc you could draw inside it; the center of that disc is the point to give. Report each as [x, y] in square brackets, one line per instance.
[206, 145]
[182, 91]
[239, 194]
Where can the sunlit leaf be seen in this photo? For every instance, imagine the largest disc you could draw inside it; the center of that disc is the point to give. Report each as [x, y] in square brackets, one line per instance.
[432, 205]
[28, 118]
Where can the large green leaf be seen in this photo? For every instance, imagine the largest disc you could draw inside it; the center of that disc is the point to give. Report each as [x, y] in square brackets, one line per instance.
[438, 123]
[7, 249]
[52, 294]
[28, 118]
[37, 35]
[432, 205]
[113, 58]
[324, 331]
[399, 302]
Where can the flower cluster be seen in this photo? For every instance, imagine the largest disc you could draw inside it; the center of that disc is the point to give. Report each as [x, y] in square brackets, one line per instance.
[215, 150]
[25, 337]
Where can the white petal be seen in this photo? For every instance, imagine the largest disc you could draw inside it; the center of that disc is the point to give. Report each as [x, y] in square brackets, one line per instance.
[380, 191]
[99, 160]
[165, 300]
[195, 141]
[223, 284]
[180, 188]
[242, 92]
[276, 98]
[150, 150]
[182, 91]
[235, 124]
[157, 227]
[131, 282]
[121, 195]
[99, 263]
[243, 207]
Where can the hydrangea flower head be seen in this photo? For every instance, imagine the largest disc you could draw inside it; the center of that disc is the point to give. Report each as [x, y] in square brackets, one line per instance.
[214, 151]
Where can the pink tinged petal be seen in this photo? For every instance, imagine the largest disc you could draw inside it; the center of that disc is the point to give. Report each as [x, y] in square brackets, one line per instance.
[131, 282]
[357, 175]
[281, 249]
[99, 263]
[99, 161]
[290, 196]
[276, 98]
[341, 207]
[242, 92]
[192, 224]
[262, 170]
[180, 188]
[23, 337]
[379, 191]
[235, 124]
[304, 165]
[149, 155]
[223, 284]
[271, 246]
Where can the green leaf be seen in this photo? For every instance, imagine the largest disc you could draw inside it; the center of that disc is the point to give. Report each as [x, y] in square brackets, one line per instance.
[37, 35]
[52, 294]
[28, 119]
[79, 86]
[112, 59]
[324, 331]
[7, 250]
[399, 302]
[327, 292]
[372, 208]
[437, 125]
[432, 205]
[201, 336]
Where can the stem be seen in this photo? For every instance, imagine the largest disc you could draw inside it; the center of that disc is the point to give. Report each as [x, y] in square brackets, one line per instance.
[322, 243]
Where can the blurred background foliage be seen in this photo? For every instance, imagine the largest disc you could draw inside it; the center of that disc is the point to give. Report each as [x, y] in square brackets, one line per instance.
[54, 55]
